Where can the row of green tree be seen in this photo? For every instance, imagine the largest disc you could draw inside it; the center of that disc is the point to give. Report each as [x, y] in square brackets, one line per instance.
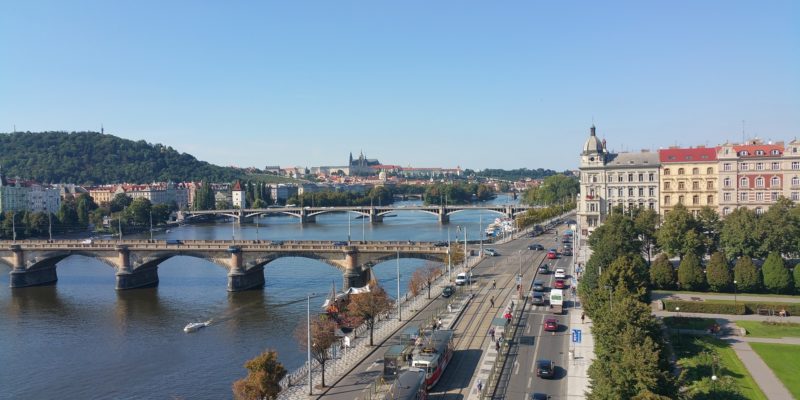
[718, 276]
[512, 174]
[457, 193]
[74, 215]
[538, 215]
[554, 189]
[378, 195]
[95, 158]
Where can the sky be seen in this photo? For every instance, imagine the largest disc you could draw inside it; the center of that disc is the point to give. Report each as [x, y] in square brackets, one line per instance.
[473, 84]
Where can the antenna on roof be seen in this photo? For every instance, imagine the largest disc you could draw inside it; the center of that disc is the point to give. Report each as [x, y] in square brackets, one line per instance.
[743, 132]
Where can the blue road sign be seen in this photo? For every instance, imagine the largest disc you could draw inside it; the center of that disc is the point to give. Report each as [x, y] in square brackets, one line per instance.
[576, 336]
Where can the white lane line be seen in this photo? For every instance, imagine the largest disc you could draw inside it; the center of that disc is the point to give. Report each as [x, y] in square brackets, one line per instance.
[516, 367]
[530, 381]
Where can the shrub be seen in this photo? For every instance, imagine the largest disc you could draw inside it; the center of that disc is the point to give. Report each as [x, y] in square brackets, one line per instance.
[777, 278]
[792, 308]
[662, 274]
[705, 307]
[747, 276]
[690, 273]
[718, 273]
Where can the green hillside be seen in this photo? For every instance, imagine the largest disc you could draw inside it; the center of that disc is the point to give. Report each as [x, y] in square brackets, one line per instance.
[94, 158]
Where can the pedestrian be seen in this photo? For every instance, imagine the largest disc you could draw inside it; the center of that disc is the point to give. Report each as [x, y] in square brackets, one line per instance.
[494, 284]
[480, 385]
[497, 345]
[491, 333]
[439, 322]
[491, 301]
[583, 316]
[449, 308]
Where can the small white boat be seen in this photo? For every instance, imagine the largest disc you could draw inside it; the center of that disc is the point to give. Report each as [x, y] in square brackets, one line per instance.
[194, 326]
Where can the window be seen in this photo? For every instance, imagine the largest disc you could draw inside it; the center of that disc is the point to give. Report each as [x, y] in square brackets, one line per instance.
[641, 177]
[650, 177]
[666, 200]
[795, 196]
[775, 181]
[775, 152]
[759, 166]
[680, 199]
[744, 153]
[795, 164]
[619, 178]
[610, 192]
[680, 186]
[795, 181]
[695, 171]
[760, 182]
[710, 185]
[726, 211]
[666, 185]
[759, 211]
[592, 207]
[774, 196]
[651, 191]
[630, 177]
[680, 171]
[666, 170]
[742, 196]
[726, 196]
[759, 196]
[759, 152]
[776, 165]
[630, 192]
[743, 182]
[743, 166]
[695, 200]
[620, 192]
[651, 206]
[726, 166]
[641, 192]
[726, 182]
[709, 171]
[695, 185]
[594, 179]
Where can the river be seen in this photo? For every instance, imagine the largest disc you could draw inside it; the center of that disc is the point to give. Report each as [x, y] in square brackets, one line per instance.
[81, 339]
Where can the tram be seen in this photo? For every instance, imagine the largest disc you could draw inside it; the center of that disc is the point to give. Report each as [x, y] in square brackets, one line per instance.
[409, 385]
[433, 355]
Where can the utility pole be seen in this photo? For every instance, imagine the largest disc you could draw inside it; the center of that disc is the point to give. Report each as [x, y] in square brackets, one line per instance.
[399, 317]
[119, 226]
[50, 224]
[151, 225]
[308, 341]
[14, 226]
[348, 227]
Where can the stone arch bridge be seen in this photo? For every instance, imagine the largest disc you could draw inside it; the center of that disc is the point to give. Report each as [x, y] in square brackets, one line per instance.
[374, 213]
[33, 262]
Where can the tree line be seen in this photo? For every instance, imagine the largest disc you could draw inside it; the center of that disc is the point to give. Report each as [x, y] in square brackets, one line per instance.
[511, 174]
[378, 195]
[554, 189]
[457, 193]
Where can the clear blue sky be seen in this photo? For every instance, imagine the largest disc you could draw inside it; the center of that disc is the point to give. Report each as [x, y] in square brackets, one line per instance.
[429, 83]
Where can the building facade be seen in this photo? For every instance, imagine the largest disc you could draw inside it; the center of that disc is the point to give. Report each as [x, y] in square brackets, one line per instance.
[238, 196]
[592, 202]
[689, 176]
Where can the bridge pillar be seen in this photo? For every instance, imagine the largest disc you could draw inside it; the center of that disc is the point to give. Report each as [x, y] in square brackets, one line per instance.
[374, 218]
[305, 218]
[129, 278]
[353, 273]
[444, 218]
[43, 274]
[240, 279]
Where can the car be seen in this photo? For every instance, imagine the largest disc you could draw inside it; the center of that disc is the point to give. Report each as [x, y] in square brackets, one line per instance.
[174, 241]
[567, 245]
[448, 291]
[544, 269]
[559, 284]
[551, 325]
[462, 279]
[545, 368]
[87, 241]
[567, 251]
[560, 273]
[535, 246]
[539, 396]
[491, 252]
[276, 242]
[538, 286]
[340, 243]
[537, 298]
[552, 255]
[440, 244]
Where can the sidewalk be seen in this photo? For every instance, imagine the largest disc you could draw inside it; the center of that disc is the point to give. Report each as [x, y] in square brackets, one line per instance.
[727, 317]
[765, 379]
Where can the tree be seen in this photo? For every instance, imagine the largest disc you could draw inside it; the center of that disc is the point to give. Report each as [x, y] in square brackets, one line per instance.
[368, 306]
[646, 222]
[796, 276]
[777, 278]
[323, 336]
[618, 236]
[672, 235]
[627, 273]
[161, 213]
[139, 211]
[739, 235]
[263, 377]
[430, 273]
[690, 273]
[662, 274]
[709, 226]
[778, 229]
[746, 275]
[718, 273]
[119, 202]
[85, 205]
[68, 214]
[416, 282]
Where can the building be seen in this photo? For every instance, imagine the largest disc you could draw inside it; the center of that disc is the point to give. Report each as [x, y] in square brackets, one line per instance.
[689, 176]
[238, 196]
[43, 199]
[281, 192]
[19, 195]
[608, 180]
[362, 165]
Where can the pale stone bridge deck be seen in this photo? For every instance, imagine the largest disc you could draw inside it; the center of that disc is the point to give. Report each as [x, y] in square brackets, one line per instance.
[374, 213]
[135, 262]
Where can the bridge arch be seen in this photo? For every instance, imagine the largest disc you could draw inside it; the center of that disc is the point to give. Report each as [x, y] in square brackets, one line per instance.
[262, 260]
[492, 210]
[268, 212]
[331, 211]
[396, 210]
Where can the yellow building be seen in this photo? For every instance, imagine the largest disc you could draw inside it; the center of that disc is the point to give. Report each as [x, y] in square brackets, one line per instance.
[689, 176]
[102, 194]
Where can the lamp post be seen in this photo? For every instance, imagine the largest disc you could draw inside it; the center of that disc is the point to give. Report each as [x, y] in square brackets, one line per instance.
[449, 259]
[399, 317]
[519, 257]
[348, 227]
[14, 226]
[151, 225]
[678, 311]
[50, 224]
[308, 340]
[734, 294]
[480, 230]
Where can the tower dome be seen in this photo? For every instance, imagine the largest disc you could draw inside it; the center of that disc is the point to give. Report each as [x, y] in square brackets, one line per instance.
[592, 144]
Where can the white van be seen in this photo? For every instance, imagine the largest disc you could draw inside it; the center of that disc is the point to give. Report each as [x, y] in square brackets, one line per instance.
[461, 279]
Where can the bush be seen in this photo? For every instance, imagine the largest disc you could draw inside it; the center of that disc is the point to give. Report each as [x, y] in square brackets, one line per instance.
[705, 307]
[662, 274]
[690, 273]
[792, 308]
[718, 273]
[777, 278]
[747, 276]
[796, 275]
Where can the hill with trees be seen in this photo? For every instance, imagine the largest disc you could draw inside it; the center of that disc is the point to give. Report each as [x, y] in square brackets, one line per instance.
[512, 174]
[95, 158]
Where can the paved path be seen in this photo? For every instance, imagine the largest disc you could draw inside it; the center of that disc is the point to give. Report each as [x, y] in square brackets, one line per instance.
[724, 296]
[578, 371]
[762, 374]
[728, 317]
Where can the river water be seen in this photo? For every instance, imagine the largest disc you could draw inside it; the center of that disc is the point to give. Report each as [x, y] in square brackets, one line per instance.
[81, 339]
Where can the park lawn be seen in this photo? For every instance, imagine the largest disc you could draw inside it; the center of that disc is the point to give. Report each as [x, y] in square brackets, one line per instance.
[677, 292]
[760, 329]
[687, 347]
[783, 360]
[689, 322]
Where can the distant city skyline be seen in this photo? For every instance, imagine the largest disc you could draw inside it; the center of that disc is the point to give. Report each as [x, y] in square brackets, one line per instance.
[443, 84]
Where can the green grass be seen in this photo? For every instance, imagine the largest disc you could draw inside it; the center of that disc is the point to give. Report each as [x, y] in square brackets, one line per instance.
[679, 292]
[770, 330]
[689, 351]
[783, 360]
[689, 322]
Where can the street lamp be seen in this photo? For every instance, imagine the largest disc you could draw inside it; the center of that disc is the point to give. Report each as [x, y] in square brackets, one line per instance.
[308, 340]
[399, 317]
[734, 295]
[151, 225]
[678, 311]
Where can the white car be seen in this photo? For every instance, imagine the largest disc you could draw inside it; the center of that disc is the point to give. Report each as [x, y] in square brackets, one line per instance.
[560, 273]
[462, 279]
[491, 252]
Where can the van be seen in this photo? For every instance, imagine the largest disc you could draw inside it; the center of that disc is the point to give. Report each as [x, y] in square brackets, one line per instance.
[461, 279]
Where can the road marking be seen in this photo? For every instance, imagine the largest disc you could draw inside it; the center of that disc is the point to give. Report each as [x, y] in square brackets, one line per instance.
[516, 367]
[530, 380]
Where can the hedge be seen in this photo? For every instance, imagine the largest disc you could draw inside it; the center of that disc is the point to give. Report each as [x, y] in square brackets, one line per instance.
[705, 307]
[792, 308]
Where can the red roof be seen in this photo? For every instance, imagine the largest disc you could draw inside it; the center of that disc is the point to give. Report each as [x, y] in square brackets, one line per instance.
[237, 186]
[753, 148]
[692, 154]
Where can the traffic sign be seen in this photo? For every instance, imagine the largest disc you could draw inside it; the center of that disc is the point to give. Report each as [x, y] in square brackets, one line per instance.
[576, 336]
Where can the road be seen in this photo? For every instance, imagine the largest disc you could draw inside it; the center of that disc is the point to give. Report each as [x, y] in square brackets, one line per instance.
[532, 343]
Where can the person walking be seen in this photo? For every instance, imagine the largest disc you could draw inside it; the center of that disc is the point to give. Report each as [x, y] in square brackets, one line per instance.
[583, 316]
[491, 301]
[494, 284]
[491, 333]
[480, 385]
[497, 345]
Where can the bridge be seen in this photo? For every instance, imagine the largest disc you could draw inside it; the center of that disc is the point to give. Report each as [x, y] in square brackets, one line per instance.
[33, 262]
[374, 213]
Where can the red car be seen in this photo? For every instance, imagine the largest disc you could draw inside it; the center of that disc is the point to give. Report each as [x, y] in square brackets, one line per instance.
[551, 325]
[559, 284]
[552, 255]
